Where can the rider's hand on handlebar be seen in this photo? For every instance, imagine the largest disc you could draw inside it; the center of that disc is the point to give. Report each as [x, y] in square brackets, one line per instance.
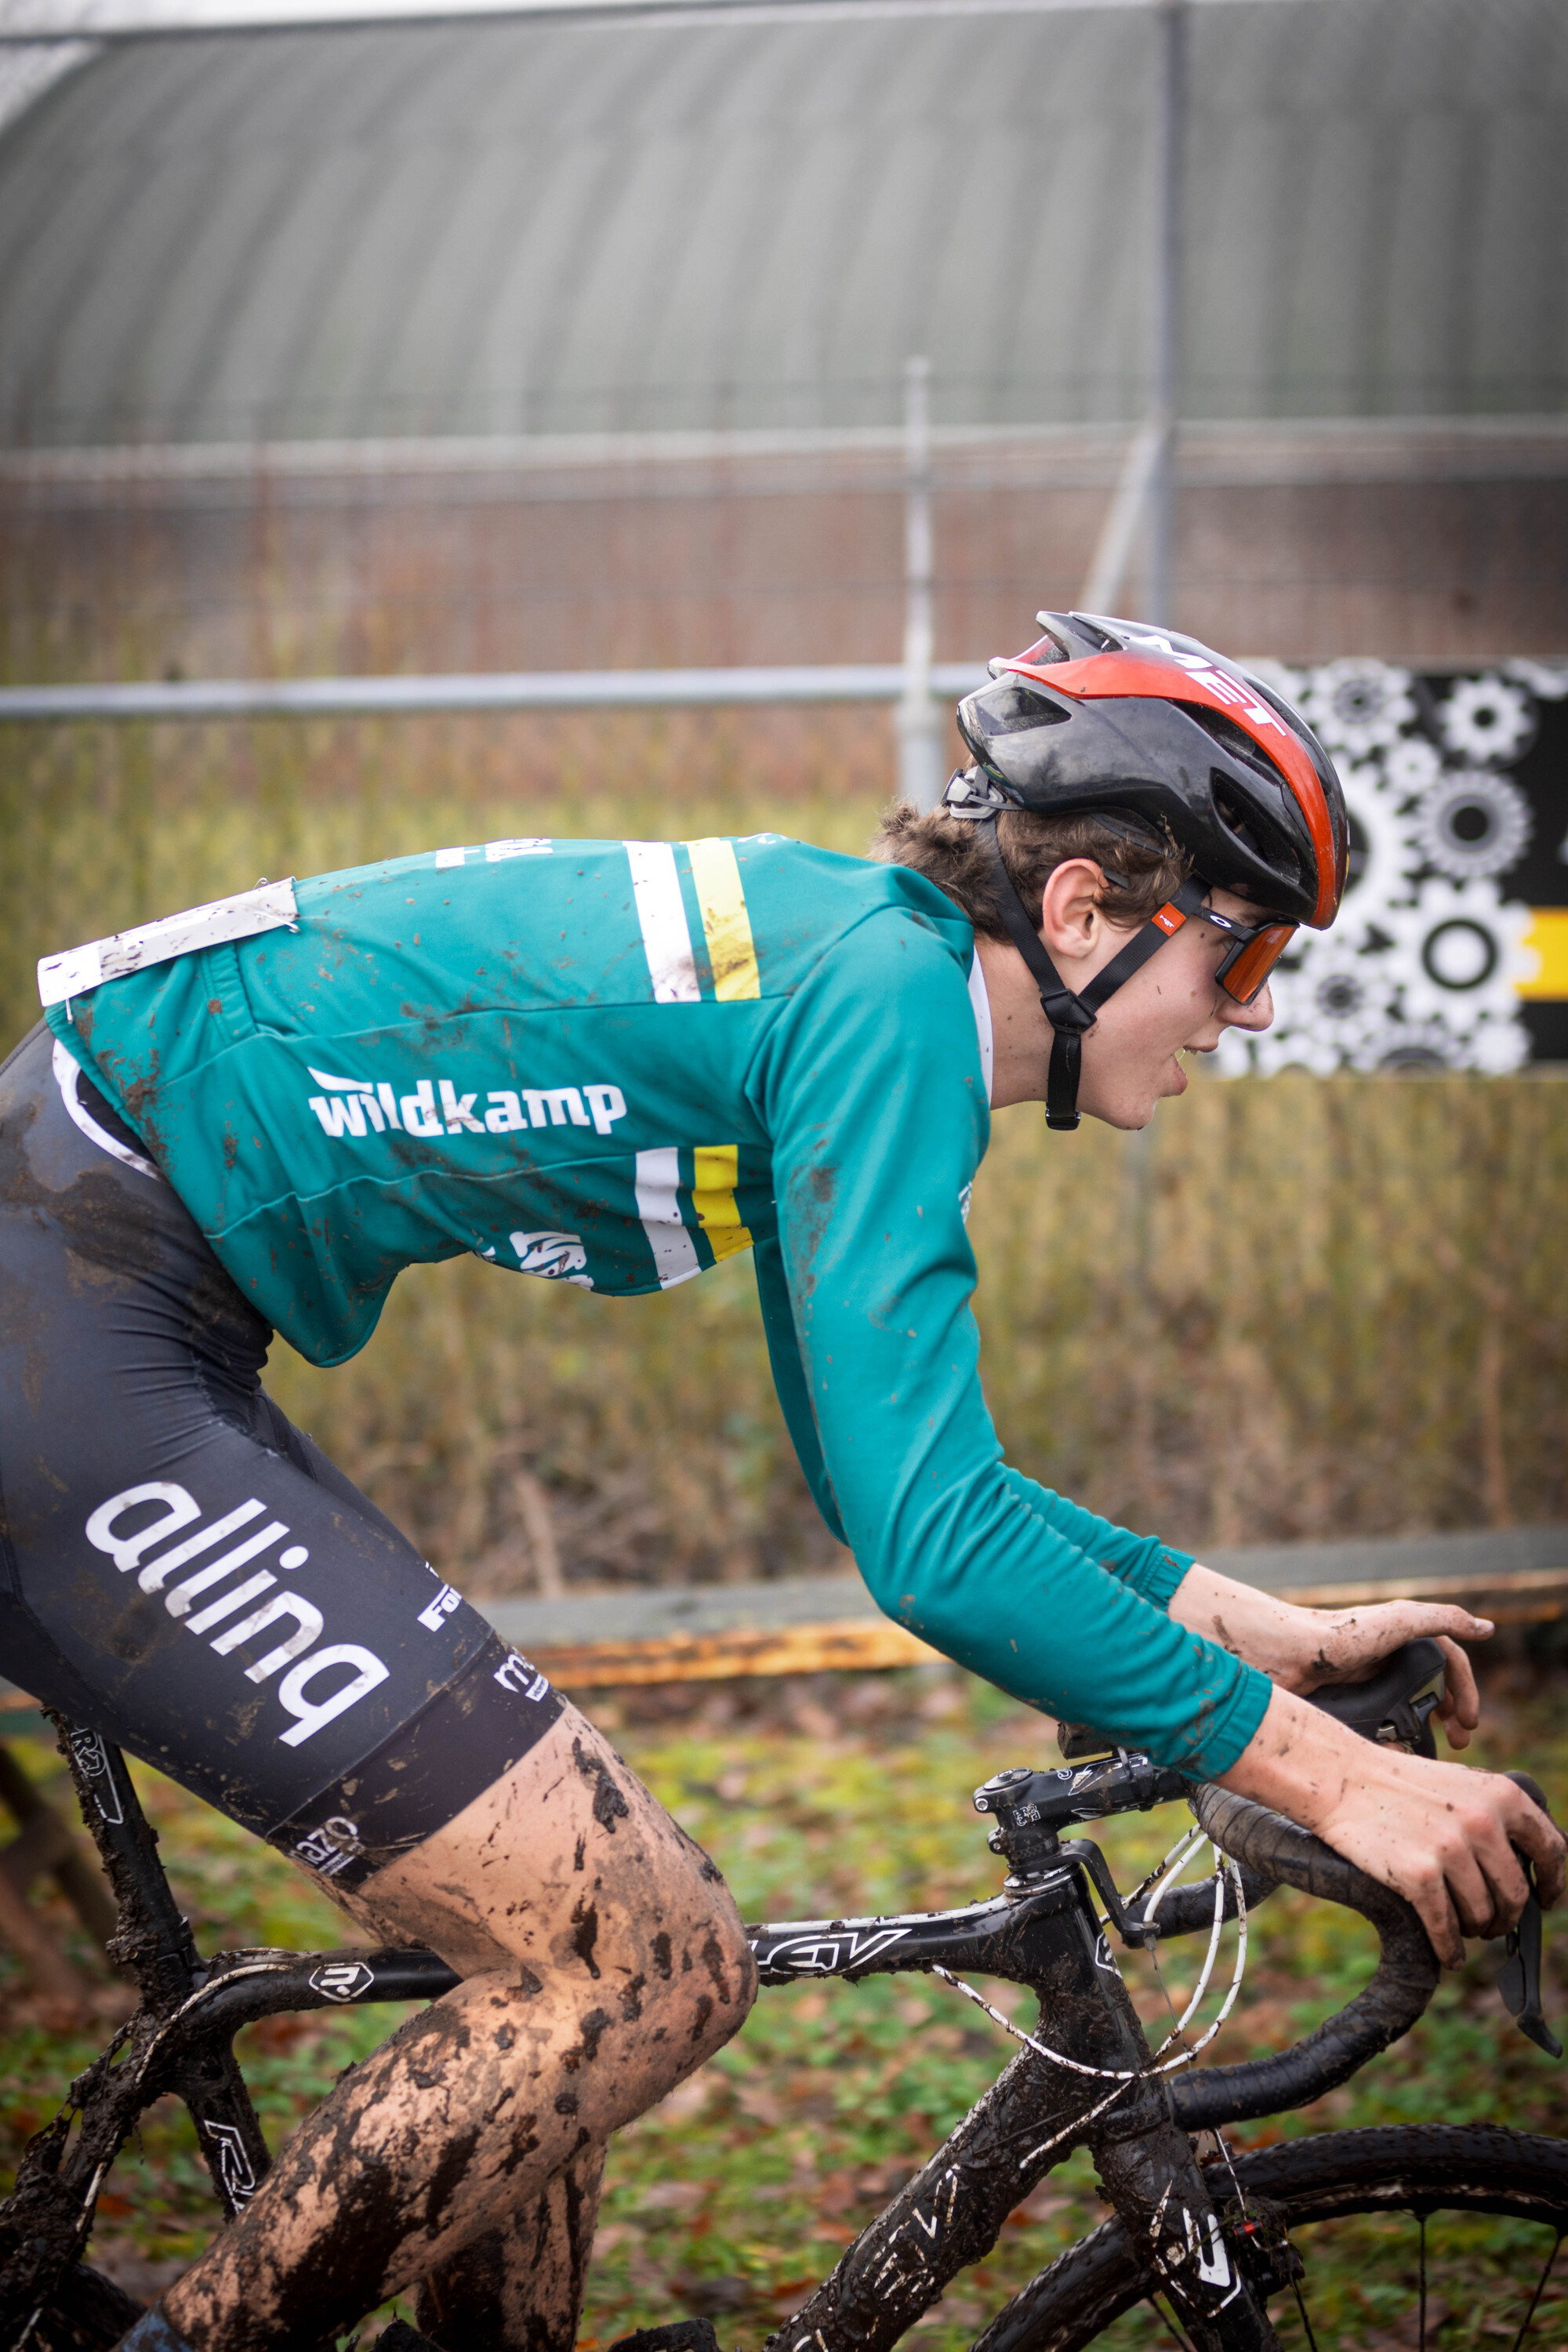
[1303, 1649]
[1443, 1835]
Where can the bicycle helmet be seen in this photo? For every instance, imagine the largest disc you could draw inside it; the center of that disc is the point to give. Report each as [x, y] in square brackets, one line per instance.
[1171, 743]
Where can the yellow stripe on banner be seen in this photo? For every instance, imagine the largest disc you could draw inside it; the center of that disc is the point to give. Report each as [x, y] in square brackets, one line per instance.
[716, 1170]
[726, 925]
[1547, 935]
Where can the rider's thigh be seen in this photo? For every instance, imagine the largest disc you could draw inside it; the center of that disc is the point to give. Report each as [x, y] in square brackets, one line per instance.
[570, 1865]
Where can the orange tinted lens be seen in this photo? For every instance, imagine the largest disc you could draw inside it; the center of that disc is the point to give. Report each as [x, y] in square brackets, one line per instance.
[1242, 976]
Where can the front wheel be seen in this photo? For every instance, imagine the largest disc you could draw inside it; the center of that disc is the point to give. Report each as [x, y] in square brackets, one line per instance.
[1401, 2233]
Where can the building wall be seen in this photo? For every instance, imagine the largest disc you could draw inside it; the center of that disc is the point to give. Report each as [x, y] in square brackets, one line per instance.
[280, 570]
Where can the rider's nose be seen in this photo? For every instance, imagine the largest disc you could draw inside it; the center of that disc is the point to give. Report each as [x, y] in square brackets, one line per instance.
[1258, 1014]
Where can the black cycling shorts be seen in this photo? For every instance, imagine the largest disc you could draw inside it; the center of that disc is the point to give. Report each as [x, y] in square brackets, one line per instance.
[182, 1570]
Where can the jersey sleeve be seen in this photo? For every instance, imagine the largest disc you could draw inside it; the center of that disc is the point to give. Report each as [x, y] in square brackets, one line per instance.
[870, 1088]
[789, 1379]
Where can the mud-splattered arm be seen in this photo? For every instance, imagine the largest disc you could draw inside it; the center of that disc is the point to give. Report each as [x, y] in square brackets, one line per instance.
[871, 1090]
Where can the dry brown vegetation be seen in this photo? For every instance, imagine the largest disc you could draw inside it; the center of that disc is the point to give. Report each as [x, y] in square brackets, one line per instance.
[1295, 1308]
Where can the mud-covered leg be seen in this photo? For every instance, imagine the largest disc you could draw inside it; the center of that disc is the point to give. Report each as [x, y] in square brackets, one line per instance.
[522, 2285]
[603, 1961]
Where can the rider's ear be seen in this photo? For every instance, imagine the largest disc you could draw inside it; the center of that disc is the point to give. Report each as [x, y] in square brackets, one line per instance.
[1070, 905]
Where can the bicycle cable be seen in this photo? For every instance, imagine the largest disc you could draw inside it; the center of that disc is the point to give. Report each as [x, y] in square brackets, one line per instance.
[1124, 2077]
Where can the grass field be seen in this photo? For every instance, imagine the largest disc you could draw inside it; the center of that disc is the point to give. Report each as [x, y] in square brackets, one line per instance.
[740, 2191]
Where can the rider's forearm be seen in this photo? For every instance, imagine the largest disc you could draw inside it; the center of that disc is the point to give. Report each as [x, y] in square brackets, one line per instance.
[1284, 1641]
[1300, 1649]
[1152, 1569]
[1304, 1764]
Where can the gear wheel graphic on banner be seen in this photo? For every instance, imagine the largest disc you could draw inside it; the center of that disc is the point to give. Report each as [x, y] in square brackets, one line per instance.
[1358, 707]
[1487, 719]
[1547, 679]
[1411, 764]
[1494, 1048]
[1418, 973]
[1475, 822]
[1459, 954]
[1328, 1010]
[1385, 851]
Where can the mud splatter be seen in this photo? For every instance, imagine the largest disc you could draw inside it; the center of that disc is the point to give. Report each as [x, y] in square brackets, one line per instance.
[704, 2012]
[593, 2028]
[661, 1957]
[713, 1962]
[609, 1805]
[585, 1935]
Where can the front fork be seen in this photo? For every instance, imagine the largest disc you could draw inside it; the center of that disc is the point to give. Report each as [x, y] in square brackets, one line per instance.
[951, 2214]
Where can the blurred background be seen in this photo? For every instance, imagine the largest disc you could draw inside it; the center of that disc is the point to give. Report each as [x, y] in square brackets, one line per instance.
[776, 340]
[422, 425]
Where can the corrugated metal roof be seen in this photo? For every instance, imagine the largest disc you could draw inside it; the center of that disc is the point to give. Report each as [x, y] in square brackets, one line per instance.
[534, 226]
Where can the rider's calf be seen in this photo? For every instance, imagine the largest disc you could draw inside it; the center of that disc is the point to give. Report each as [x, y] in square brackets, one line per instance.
[603, 1961]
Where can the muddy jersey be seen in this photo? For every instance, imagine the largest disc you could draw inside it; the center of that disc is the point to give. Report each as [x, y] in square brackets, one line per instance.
[613, 1065]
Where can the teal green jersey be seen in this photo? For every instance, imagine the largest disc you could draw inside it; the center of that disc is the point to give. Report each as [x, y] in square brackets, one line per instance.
[613, 1063]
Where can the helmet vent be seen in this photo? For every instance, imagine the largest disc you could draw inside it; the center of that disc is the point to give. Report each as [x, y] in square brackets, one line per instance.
[1009, 710]
[1234, 739]
[1276, 854]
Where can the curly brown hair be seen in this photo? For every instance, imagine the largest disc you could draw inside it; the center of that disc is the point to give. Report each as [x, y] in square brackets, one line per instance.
[945, 850]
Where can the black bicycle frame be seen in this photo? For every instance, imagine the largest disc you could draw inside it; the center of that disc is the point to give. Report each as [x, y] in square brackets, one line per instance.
[1043, 1932]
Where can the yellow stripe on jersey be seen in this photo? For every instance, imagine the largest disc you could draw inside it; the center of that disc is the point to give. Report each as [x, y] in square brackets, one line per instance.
[715, 1171]
[726, 925]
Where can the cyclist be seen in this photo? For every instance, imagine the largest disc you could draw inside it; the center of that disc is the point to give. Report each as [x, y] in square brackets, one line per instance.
[614, 1063]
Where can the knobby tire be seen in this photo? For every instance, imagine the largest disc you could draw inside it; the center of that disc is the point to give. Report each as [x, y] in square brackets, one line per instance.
[1439, 2167]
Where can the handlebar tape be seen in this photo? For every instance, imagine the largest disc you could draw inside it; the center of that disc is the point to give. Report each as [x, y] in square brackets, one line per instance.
[1407, 1974]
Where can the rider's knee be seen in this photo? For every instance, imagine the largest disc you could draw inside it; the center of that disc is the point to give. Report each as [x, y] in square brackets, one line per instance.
[700, 1977]
[730, 1972]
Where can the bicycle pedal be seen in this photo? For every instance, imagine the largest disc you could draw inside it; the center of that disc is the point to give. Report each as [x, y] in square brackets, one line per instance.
[401, 2338]
[678, 2336]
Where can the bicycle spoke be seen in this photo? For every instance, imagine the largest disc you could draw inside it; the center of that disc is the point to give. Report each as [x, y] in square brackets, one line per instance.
[1540, 2290]
[1301, 2307]
[1421, 2339]
[1168, 2323]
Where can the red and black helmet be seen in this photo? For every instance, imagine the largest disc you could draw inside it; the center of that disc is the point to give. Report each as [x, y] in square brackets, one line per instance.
[1111, 716]
[1154, 731]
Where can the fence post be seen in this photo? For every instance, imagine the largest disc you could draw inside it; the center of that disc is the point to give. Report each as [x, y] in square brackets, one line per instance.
[921, 779]
[1166, 338]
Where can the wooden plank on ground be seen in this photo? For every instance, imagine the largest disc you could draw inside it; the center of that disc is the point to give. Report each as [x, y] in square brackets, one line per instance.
[847, 1644]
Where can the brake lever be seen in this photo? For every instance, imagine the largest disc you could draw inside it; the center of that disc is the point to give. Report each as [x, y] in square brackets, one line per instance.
[1518, 1983]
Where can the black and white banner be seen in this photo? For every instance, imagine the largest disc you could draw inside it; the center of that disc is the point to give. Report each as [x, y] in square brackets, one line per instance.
[1451, 950]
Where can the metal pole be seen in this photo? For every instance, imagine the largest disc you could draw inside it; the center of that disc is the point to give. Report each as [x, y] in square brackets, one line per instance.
[614, 689]
[1165, 356]
[919, 721]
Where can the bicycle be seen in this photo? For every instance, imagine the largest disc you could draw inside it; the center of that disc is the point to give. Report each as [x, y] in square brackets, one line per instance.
[1214, 2235]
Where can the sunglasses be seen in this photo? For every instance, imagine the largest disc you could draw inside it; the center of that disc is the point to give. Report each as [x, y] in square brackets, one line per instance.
[1254, 950]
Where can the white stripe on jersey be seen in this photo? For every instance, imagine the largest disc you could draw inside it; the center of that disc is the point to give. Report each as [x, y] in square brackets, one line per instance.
[980, 998]
[666, 936]
[659, 1206]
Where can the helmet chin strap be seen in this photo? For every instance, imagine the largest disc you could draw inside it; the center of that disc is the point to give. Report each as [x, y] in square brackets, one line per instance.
[1072, 1016]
